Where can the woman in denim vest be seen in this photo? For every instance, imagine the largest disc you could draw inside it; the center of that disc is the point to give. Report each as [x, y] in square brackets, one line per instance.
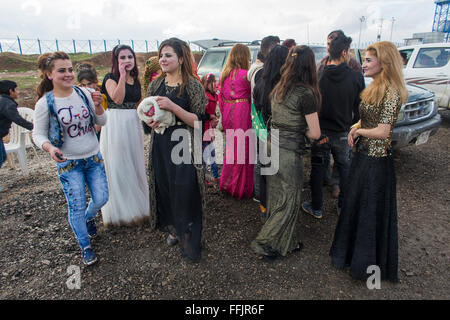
[64, 122]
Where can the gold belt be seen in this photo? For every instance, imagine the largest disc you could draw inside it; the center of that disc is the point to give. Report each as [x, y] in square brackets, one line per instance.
[235, 101]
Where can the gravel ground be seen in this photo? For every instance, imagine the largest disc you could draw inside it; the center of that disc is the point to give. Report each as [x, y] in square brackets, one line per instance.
[38, 246]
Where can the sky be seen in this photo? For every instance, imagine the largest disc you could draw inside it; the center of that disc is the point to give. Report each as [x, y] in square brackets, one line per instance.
[305, 21]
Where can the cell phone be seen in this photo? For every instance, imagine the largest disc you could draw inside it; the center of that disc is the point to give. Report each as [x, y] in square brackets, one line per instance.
[59, 156]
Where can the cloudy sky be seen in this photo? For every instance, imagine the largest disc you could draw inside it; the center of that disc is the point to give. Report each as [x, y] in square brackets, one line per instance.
[202, 19]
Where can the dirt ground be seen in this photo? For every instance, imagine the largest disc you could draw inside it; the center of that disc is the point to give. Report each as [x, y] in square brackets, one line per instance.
[135, 263]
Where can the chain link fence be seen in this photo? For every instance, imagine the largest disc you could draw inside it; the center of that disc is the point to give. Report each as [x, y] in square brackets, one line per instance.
[37, 46]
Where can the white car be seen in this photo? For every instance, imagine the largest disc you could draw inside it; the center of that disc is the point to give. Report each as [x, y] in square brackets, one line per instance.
[427, 65]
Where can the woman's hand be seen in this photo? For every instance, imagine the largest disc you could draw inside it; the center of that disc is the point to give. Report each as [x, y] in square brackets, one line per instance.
[122, 70]
[97, 98]
[54, 153]
[214, 121]
[165, 103]
[152, 124]
[352, 135]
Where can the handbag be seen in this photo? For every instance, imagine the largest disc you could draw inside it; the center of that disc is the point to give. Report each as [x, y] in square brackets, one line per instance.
[258, 124]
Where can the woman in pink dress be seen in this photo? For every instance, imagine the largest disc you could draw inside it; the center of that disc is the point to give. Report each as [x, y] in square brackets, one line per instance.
[234, 104]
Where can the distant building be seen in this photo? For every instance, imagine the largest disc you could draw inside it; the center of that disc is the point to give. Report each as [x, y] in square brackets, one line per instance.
[441, 26]
[426, 37]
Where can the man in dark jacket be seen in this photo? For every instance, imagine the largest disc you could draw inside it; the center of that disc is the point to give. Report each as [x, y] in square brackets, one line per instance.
[9, 113]
[340, 87]
[332, 177]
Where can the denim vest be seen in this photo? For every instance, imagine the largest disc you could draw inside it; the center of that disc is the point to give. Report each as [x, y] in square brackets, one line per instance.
[55, 131]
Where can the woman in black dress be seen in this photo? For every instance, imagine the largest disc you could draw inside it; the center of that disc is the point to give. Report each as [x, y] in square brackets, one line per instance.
[176, 189]
[366, 233]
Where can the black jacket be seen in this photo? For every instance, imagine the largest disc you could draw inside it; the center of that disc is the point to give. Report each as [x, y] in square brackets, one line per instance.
[9, 114]
[340, 87]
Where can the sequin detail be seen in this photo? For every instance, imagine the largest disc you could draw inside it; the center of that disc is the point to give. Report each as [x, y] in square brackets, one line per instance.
[372, 115]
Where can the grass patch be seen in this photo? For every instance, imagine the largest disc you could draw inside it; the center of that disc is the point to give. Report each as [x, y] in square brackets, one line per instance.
[25, 82]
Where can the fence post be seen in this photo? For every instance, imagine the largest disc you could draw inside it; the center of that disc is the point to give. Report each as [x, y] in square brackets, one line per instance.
[146, 46]
[118, 41]
[104, 44]
[90, 47]
[132, 44]
[57, 47]
[157, 45]
[39, 44]
[74, 47]
[20, 47]
[1, 47]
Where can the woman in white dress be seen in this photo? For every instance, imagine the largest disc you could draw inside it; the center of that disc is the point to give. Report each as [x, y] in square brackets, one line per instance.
[122, 144]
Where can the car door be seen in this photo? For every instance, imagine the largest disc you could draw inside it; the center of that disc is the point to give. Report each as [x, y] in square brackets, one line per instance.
[429, 68]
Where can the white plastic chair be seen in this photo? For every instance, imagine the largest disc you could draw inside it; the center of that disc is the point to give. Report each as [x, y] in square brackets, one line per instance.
[28, 114]
[17, 142]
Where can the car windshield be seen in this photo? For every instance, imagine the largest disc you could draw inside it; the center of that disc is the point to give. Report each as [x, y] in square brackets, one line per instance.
[212, 62]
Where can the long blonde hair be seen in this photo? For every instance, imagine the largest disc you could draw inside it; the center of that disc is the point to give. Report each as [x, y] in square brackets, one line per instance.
[391, 75]
[239, 58]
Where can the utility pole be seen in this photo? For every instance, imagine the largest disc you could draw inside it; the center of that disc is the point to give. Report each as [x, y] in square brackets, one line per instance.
[392, 28]
[362, 20]
[379, 30]
[307, 30]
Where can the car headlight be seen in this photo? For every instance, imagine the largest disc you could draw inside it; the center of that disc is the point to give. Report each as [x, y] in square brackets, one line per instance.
[401, 116]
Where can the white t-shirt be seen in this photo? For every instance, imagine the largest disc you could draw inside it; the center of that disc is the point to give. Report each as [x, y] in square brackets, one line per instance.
[80, 140]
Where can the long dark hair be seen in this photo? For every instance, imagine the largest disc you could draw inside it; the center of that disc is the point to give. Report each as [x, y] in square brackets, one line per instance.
[182, 50]
[115, 62]
[299, 69]
[272, 74]
[46, 63]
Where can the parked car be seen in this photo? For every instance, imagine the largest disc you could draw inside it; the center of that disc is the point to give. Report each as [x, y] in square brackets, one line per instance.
[427, 65]
[418, 118]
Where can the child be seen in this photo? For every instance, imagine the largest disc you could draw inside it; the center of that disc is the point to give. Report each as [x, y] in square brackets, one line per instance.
[87, 78]
[210, 85]
[9, 113]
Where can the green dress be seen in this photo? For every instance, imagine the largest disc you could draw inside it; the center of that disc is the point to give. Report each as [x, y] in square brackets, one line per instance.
[278, 236]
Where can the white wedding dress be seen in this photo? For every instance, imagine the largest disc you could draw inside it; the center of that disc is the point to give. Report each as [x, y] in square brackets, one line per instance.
[122, 147]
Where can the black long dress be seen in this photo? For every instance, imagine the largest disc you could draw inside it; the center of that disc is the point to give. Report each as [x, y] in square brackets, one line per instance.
[366, 233]
[176, 190]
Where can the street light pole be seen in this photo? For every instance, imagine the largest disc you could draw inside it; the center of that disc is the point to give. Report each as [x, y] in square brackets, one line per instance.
[362, 19]
[392, 28]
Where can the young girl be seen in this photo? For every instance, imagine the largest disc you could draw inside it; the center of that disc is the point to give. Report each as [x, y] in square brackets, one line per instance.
[366, 232]
[177, 189]
[122, 143]
[87, 78]
[210, 85]
[64, 120]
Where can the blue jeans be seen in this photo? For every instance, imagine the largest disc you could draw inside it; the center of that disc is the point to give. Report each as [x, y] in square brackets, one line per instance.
[2, 152]
[320, 161]
[210, 158]
[74, 175]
